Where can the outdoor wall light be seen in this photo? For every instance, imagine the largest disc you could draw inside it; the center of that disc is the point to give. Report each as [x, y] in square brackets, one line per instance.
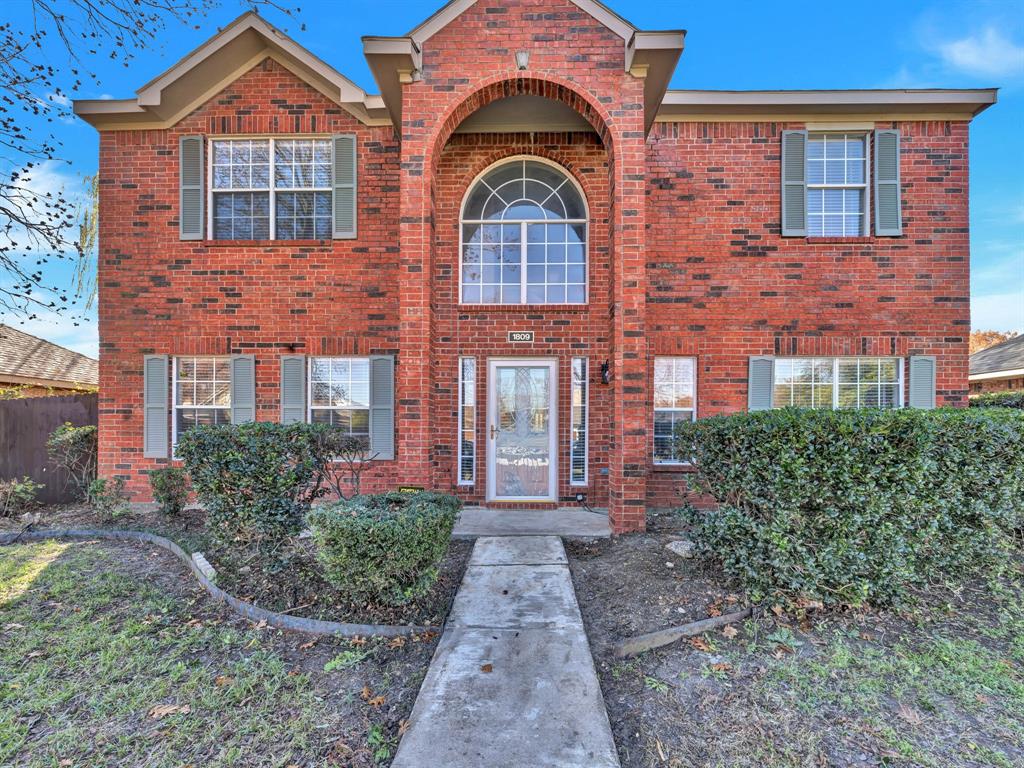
[606, 372]
[522, 59]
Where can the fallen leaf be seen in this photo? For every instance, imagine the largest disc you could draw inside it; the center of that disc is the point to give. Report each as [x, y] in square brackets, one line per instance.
[310, 644]
[777, 610]
[376, 701]
[162, 710]
[396, 642]
[910, 715]
[403, 726]
[722, 666]
[357, 640]
[714, 610]
[221, 680]
[730, 631]
[487, 668]
[14, 626]
[700, 644]
[366, 692]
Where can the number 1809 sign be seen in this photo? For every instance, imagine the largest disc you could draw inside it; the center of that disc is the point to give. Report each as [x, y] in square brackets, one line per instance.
[520, 336]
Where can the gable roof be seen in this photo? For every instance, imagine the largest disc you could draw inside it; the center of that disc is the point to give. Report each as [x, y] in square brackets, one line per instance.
[1002, 358]
[27, 359]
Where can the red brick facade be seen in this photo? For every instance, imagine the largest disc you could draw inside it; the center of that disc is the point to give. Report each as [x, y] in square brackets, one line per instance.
[685, 256]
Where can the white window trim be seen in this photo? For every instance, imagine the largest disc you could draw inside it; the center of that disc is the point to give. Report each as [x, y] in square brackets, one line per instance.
[900, 380]
[309, 390]
[174, 394]
[271, 189]
[866, 228]
[460, 427]
[693, 411]
[522, 235]
[586, 420]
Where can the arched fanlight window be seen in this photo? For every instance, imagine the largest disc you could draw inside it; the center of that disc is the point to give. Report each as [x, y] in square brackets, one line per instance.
[524, 237]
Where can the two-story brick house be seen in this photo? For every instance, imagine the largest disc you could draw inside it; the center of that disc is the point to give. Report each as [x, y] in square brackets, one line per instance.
[514, 269]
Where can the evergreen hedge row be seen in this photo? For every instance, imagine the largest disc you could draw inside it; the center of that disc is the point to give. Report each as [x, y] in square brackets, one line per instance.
[998, 400]
[856, 507]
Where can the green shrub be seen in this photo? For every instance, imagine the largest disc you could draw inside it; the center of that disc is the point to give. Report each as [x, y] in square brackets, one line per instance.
[1013, 399]
[108, 498]
[170, 489]
[853, 507]
[73, 449]
[256, 480]
[384, 548]
[17, 496]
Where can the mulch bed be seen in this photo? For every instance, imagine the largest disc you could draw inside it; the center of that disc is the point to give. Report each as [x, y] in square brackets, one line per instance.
[940, 685]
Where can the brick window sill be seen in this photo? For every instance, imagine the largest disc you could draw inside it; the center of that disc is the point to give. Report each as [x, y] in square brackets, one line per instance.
[524, 308]
[838, 240]
[676, 469]
[264, 243]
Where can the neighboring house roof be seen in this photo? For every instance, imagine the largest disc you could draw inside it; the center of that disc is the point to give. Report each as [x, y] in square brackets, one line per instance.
[1003, 359]
[26, 359]
[396, 61]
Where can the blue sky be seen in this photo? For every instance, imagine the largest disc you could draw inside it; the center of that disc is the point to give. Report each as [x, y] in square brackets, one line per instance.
[738, 45]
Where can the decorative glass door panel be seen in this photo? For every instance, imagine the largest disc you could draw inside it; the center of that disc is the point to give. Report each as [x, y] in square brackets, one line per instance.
[521, 430]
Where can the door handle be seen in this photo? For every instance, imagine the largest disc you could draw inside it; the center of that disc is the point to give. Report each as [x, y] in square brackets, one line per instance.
[494, 431]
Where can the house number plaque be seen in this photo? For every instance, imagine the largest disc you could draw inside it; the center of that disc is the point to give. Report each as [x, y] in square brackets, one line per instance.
[520, 336]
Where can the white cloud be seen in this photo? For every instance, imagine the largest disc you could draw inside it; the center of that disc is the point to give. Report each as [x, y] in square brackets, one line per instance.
[998, 311]
[987, 53]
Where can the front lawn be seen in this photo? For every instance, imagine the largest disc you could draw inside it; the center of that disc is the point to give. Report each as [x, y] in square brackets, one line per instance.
[939, 685]
[110, 654]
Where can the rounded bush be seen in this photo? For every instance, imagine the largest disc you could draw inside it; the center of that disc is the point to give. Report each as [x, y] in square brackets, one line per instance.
[384, 548]
[854, 507]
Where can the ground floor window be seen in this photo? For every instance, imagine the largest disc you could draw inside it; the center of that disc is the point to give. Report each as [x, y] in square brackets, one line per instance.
[838, 382]
[578, 426]
[467, 420]
[202, 393]
[675, 396]
[339, 394]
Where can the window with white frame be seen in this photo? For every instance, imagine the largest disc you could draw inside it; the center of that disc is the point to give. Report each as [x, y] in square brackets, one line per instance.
[838, 382]
[675, 398]
[524, 237]
[202, 393]
[270, 189]
[467, 420]
[837, 185]
[578, 425]
[339, 394]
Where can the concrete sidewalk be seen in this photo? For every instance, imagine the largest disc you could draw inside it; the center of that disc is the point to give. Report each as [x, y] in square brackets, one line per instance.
[512, 683]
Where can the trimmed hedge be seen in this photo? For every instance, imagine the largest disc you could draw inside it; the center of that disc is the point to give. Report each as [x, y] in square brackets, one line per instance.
[384, 548]
[1013, 399]
[257, 480]
[854, 507]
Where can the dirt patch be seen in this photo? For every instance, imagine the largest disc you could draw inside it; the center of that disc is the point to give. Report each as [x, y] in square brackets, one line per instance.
[940, 686]
[110, 654]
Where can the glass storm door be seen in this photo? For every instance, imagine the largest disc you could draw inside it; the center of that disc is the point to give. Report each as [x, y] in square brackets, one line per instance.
[521, 430]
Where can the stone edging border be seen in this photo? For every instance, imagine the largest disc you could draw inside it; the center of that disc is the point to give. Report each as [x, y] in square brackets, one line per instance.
[206, 575]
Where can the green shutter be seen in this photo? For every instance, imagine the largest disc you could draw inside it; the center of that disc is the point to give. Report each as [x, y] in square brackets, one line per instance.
[293, 388]
[794, 183]
[192, 196]
[888, 216]
[382, 406]
[760, 380]
[922, 381]
[345, 185]
[155, 408]
[243, 388]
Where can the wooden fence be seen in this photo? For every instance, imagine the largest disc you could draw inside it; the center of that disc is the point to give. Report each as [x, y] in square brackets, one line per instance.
[25, 424]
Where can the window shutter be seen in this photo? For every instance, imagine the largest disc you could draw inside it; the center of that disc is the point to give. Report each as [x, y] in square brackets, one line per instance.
[922, 381]
[382, 406]
[888, 216]
[293, 388]
[794, 183]
[243, 388]
[345, 185]
[760, 380]
[155, 408]
[192, 197]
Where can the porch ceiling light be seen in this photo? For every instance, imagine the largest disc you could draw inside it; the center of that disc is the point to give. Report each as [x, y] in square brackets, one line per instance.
[522, 59]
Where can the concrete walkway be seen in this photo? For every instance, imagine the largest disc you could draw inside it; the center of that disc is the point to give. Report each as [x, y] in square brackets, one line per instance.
[512, 683]
[570, 522]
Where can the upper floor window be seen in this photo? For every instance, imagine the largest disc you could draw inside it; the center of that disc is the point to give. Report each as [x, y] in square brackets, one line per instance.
[524, 237]
[837, 185]
[271, 189]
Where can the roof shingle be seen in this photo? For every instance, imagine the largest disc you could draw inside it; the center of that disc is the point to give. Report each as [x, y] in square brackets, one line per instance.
[1005, 356]
[27, 356]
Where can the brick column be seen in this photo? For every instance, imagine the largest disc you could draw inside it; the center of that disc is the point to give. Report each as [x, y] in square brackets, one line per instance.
[631, 413]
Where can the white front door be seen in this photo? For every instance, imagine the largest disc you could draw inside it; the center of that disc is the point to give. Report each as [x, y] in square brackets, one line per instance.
[521, 429]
